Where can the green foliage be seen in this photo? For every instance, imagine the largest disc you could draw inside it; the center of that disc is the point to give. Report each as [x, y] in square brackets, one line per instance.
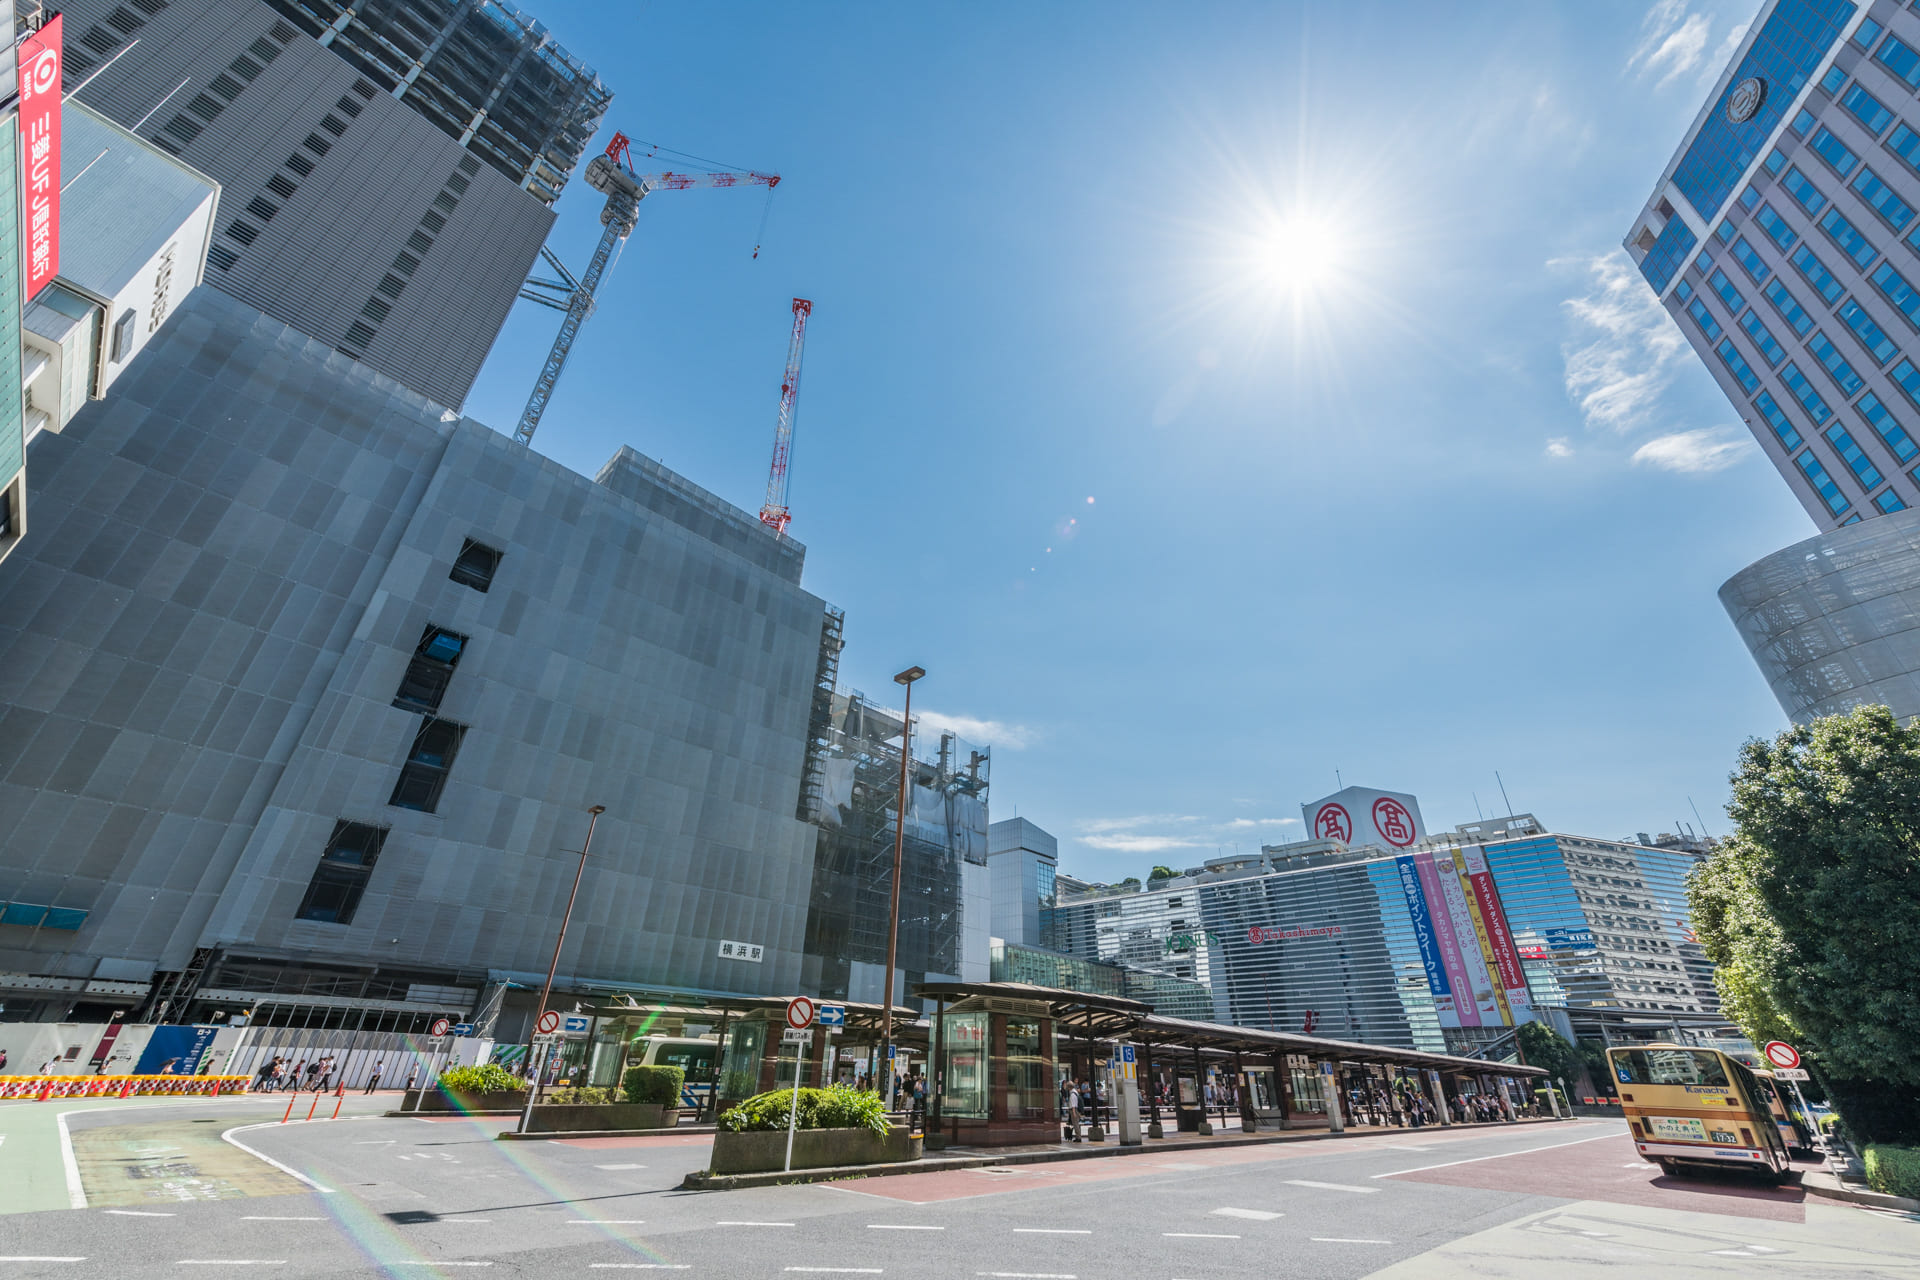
[492, 1078]
[1130, 882]
[654, 1084]
[582, 1094]
[1162, 873]
[1547, 1048]
[1894, 1171]
[1811, 911]
[835, 1107]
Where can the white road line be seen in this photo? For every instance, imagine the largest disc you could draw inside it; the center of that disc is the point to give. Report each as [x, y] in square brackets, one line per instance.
[1554, 1146]
[433, 1262]
[295, 1174]
[33, 1258]
[900, 1226]
[1052, 1231]
[640, 1266]
[605, 1222]
[619, 1166]
[1345, 1240]
[727, 1222]
[1255, 1215]
[839, 1271]
[1196, 1235]
[1335, 1186]
[264, 1218]
[1028, 1275]
[76, 1193]
[231, 1262]
[136, 1213]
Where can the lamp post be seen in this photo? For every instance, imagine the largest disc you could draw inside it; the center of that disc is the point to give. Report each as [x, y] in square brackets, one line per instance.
[906, 678]
[546, 989]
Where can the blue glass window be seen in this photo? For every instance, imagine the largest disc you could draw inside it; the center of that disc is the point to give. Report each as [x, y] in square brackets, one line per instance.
[1832, 81]
[1886, 428]
[1905, 143]
[1703, 261]
[1822, 483]
[1817, 274]
[1833, 151]
[1775, 226]
[1724, 233]
[1907, 378]
[1776, 418]
[1894, 211]
[1857, 462]
[1785, 53]
[1901, 294]
[1749, 198]
[1750, 261]
[1803, 392]
[1770, 351]
[1790, 310]
[1871, 335]
[1728, 294]
[1704, 318]
[1867, 110]
[1803, 122]
[1889, 502]
[1801, 188]
[1867, 32]
[1835, 363]
[1737, 365]
[1852, 519]
[1668, 252]
[1775, 161]
[1848, 238]
[1900, 60]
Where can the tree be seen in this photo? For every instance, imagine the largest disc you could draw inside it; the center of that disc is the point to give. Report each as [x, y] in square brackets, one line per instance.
[1811, 911]
[1162, 873]
[1547, 1048]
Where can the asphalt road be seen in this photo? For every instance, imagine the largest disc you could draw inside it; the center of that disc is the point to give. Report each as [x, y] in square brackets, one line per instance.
[406, 1197]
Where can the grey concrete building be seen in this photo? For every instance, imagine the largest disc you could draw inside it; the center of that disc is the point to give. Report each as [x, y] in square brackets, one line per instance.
[388, 169]
[307, 687]
[1022, 861]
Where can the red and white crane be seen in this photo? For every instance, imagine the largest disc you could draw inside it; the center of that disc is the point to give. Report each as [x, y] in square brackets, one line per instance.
[774, 513]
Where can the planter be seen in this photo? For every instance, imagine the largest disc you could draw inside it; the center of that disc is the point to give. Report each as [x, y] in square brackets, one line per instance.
[766, 1151]
[574, 1117]
[450, 1100]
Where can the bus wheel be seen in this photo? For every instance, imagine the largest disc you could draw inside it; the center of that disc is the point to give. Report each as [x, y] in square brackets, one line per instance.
[1668, 1167]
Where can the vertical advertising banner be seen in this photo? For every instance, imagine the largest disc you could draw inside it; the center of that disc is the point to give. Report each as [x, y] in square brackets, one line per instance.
[1505, 954]
[1466, 1010]
[1479, 975]
[1482, 941]
[1423, 934]
[40, 56]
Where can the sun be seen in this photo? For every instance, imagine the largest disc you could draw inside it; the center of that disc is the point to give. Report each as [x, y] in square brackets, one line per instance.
[1300, 253]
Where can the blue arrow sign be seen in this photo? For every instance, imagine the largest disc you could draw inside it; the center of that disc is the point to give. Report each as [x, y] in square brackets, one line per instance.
[831, 1015]
[575, 1025]
[463, 1028]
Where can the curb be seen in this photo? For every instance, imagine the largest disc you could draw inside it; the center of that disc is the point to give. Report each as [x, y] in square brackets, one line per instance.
[1818, 1182]
[563, 1134]
[701, 1180]
[445, 1115]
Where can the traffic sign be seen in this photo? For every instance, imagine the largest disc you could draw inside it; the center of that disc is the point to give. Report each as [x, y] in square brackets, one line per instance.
[800, 1013]
[1781, 1054]
[549, 1022]
[1790, 1073]
[576, 1024]
[463, 1028]
[832, 1015]
[440, 1027]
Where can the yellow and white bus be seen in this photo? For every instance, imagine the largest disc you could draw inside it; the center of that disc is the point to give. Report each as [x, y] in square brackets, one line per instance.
[1693, 1109]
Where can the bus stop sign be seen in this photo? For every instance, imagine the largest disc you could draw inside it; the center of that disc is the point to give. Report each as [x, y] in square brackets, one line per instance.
[1781, 1054]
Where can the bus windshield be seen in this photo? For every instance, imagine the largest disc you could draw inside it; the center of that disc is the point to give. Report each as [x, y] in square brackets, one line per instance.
[1669, 1066]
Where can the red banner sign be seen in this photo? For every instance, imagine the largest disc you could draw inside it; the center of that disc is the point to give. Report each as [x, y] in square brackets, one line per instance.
[40, 58]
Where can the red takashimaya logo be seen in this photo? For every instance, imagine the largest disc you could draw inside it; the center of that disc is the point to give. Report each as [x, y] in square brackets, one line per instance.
[1333, 822]
[1393, 822]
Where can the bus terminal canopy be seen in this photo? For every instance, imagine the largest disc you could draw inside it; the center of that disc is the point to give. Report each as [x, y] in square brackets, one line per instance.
[860, 1017]
[1117, 1018]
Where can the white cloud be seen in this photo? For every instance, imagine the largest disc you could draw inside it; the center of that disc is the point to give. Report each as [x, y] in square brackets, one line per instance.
[1627, 348]
[1242, 824]
[989, 733]
[1558, 447]
[1699, 451]
[1139, 844]
[1159, 832]
[1102, 826]
[1672, 41]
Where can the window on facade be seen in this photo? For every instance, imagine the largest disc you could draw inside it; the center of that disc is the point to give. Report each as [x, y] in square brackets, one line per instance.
[1832, 81]
[1833, 151]
[1870, 334]
[123, 330]
[1823, 484]
[1889, 502]
[1900, 60]
[1897, 290]
[1804, 392]
[424, 775]
[1697, 308]
[476, 566]
[1834, 361]
[6, 512]
[1857, 461]
[1867, 32]
[1775, 226]
[431, 667]
[334, 892]
[1887, 428]
[1728, 294]
[1867, 110]
[1817, 274]
[1737, 365]
[1770, 350]
[1804, 192]
[1790, 310]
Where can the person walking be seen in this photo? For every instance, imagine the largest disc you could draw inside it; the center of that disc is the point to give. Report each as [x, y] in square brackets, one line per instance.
[296, 1075]
[1070, 1108]
[326, 1074]
[373, 1081]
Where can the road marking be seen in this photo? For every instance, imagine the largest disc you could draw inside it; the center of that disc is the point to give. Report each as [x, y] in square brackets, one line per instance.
[298, 1176]
[641, 1266]
[252, 1218]
[76, 1193]
[1028, 1275]
[899, 1226]
[1334, 1186]
[1196, 1235]
[1345, 1240]
[1502, 1156]
[433, 1262]
[619, 1166]
[136, 1213]
[727, 1222]
[1052, 1231]
[605, 1222]
[31, 1258]
[1255, 1215]
[231, 1262]
[839, 1271]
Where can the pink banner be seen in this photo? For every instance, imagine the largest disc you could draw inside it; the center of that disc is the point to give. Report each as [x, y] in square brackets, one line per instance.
[1466, 1011]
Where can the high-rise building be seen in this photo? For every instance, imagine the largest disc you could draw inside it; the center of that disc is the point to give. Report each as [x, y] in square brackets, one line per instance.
[1021, 859]
[1784, 239]
[388, 168]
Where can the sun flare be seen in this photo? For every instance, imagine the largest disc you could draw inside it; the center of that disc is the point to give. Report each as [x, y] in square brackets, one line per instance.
[1300, 253]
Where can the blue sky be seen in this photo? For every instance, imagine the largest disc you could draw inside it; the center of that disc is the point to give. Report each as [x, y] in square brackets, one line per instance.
[1180, 519]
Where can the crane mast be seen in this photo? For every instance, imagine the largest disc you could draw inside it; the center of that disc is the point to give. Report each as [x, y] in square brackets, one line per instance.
[611, 174]
[774, 513]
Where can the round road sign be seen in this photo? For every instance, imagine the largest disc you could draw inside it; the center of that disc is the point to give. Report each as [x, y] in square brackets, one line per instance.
[800, 1013]
[1781, 1054]
[441, 1026]
[548, 1024]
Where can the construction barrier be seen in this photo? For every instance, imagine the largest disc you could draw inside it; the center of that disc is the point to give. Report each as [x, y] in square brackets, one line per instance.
[44, 1088]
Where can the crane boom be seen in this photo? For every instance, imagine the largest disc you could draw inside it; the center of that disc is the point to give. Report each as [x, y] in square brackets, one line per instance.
[612, 174]
[774, 514]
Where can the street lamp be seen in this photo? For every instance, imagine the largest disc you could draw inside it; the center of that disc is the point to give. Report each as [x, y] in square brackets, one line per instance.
[547, 988]
[906, 678]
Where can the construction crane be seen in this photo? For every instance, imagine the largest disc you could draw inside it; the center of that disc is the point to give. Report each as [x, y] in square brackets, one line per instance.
[774, 513]
[611, 174]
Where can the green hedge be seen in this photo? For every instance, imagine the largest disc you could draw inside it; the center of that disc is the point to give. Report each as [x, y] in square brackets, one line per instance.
[654, 1084]
[581, 1094]
[492, 1078]
[835, 1107]
[1894, 1171]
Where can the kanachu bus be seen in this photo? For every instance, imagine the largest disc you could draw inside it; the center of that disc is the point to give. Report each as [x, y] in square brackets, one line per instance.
[1694, 1109]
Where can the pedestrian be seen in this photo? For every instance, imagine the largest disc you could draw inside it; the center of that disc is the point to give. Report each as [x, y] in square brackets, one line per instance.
[413, 1073]
[326, 1074]
[1070, 1108]
[373, 1081]
[295, 1075]
[3, 1062]
[313, 1071]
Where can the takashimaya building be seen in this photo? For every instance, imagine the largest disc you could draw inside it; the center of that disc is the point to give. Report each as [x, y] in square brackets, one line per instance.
[1784, 239]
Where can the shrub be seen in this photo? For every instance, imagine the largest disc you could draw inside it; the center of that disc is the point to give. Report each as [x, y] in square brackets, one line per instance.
[492, 1078]
[654, 1084]
[835, 1107]
[581, 1094]
[1894, 1171]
